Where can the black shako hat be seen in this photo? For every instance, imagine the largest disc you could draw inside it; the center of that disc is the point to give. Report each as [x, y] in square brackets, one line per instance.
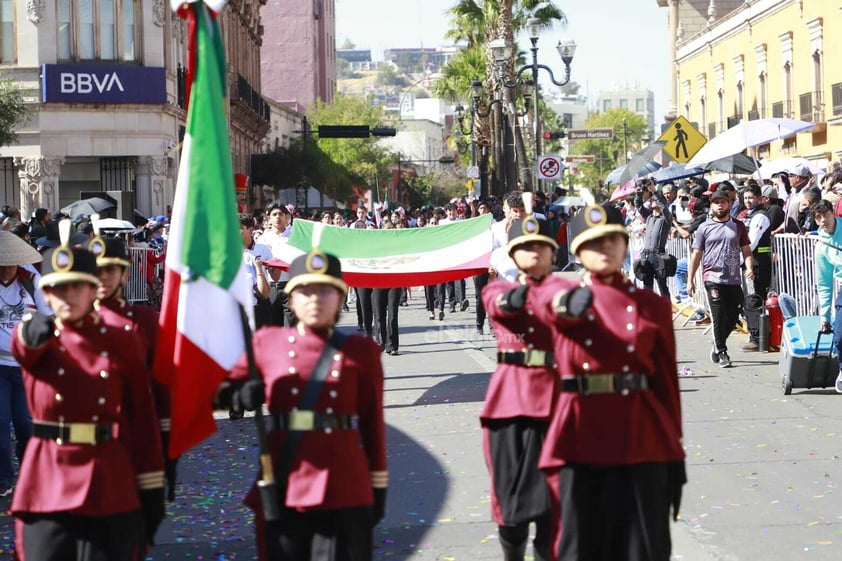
[528, 228]
[65, 264]
[315, 267]
[593, 222]
[110, 251]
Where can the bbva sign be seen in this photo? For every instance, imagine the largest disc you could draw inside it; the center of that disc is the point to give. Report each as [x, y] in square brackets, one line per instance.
[90, 83]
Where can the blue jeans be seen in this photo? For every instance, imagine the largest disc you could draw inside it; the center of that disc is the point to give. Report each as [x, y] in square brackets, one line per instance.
[13, 409]
[681, 278]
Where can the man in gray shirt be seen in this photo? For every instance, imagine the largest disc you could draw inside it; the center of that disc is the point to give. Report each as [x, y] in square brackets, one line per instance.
[717, 246]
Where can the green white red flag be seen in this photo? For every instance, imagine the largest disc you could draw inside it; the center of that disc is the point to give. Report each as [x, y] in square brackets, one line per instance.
[399, 257]
[201, 334]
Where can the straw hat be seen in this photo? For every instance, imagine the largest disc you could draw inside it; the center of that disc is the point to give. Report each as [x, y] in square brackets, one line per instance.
[15, 251]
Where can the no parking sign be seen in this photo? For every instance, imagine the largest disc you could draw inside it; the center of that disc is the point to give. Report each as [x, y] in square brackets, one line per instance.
[549, 167]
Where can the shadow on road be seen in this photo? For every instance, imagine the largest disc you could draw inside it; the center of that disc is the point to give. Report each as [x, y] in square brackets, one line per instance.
[458, 388]
[417, 491]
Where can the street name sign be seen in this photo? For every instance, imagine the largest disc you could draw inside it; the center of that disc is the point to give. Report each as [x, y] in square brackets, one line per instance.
[590, 134]
[682, 140]
[585, 159]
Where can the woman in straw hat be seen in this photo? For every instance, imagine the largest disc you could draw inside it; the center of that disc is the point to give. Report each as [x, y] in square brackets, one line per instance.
[17, 297]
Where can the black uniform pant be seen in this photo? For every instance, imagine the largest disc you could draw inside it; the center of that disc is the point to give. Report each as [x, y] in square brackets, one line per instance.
[617, 512]
[280, 313]
[762, 273]
[726, 302]
[386, 302]
[63, 536]
[329, 535]
[480, 281]
[649, 280]
[365, 312]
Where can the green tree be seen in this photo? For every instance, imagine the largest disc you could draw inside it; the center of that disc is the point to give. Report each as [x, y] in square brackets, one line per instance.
[13, 111]
[364, 160]
[609, 154]
[387, 75]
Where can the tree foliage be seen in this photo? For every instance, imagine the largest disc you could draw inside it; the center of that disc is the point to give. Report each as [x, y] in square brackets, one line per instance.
[13, 111]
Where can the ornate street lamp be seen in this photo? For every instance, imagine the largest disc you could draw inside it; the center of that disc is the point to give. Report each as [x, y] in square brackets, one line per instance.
[502, 52]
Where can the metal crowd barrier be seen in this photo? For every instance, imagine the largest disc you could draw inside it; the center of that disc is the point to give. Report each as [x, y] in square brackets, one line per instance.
[794, 272]
[136, 287]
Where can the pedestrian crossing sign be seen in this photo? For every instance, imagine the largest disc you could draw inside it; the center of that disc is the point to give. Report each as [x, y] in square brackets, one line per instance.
[682, 140]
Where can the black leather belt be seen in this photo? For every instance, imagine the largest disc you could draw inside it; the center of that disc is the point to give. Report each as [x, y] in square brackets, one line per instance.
[605, 383]
[530, 357]
[313, 420]
[280, 285]
[73, 433]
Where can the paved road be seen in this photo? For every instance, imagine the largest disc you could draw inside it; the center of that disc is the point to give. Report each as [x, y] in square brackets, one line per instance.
[764, 468]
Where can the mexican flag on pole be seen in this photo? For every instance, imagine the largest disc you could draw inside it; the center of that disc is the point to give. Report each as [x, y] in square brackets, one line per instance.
[400, 257]
[201, 334]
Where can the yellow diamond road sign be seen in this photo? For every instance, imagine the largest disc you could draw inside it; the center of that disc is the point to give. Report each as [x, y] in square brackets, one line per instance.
[682, 140]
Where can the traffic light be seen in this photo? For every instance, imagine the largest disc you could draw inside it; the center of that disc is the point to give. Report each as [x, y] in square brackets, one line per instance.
[383, 131]
[354, 131]
[552, 135]
[343, 131]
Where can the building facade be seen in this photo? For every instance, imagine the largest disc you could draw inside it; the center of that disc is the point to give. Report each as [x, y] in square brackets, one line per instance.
[105, 82]
[767, 58]
[298, 58]
[635, 99]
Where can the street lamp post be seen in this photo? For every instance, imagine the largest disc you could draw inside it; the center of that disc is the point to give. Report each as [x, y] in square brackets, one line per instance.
[502, 52]
[477, 91]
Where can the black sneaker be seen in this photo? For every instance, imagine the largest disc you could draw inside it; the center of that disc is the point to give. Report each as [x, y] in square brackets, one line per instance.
[724, 360]
[714, 355]
[441, 315]
[465, 304]
[6, 490]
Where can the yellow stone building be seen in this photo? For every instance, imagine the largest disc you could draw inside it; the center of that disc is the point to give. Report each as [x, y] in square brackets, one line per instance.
[761, 58]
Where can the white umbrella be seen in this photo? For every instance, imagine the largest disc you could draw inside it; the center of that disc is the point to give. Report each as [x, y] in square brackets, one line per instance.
[747, 134]
[767, 169]
[115, 224]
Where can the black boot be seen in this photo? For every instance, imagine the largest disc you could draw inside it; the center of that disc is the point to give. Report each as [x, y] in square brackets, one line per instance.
[513, 552]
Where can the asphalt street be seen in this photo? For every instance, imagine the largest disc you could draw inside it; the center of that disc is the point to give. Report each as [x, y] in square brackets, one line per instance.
[763, 467]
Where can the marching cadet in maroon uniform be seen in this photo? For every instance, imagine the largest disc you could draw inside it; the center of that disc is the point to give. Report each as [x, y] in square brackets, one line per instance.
[613, 453]
[91, 483]
[333, 480]
[113, 260]
[521, 393]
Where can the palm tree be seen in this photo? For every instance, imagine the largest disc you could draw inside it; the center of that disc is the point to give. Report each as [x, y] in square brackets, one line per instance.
[478, 22]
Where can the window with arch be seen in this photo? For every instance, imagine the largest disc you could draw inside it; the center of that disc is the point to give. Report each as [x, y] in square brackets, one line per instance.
[101, 30]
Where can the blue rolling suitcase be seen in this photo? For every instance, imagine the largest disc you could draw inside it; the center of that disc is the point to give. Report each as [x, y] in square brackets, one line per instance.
[807, 359]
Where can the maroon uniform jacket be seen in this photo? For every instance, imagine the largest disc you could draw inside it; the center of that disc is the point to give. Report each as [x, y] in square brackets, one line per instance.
[88, 373]
[515, 390]
[331, 469]
[627, 330]
[142, 322]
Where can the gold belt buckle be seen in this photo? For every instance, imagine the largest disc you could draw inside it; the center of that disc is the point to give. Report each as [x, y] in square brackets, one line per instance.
[599, 383]
[535, 357]
[82, 433]
[301, 420]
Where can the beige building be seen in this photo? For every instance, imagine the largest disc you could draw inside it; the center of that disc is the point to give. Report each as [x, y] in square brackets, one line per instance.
[761, 58]
[105, 81]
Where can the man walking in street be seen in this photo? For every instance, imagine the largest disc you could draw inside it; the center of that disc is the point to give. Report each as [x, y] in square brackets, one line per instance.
[717, 246]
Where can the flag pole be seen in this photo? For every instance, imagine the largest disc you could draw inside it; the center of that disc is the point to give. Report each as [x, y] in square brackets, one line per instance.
[267, 485]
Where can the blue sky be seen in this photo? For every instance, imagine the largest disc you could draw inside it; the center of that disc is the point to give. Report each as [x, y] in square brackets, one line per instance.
[629, 46]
